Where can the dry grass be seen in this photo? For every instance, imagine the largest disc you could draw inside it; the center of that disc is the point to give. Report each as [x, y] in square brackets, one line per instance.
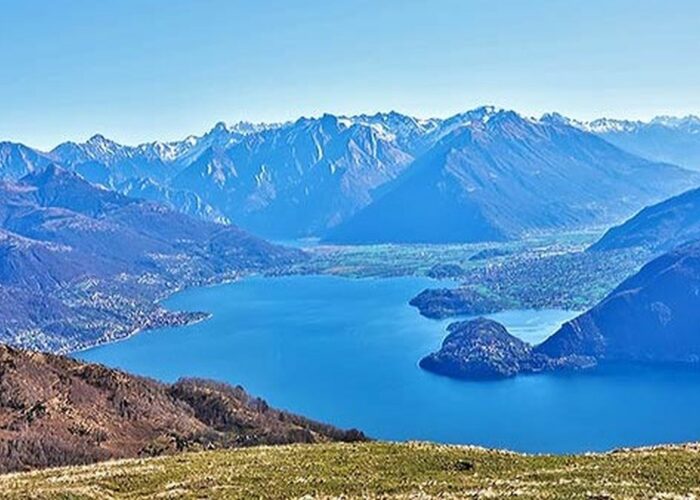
[370, 470]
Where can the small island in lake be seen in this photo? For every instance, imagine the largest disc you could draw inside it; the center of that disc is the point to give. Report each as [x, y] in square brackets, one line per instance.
[652, 317]
[483, 349]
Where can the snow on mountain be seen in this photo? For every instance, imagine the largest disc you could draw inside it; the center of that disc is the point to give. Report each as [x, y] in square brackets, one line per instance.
[498, 175]
[663, 138]
[306, 176]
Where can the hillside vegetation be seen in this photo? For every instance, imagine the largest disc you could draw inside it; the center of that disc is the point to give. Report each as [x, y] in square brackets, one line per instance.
[383, 470]
[57, 411]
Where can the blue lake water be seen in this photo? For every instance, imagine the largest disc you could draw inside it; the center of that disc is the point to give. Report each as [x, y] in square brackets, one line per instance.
[345, 351]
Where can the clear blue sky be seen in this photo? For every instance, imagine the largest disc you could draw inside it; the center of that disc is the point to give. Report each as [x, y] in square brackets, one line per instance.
[138, 70]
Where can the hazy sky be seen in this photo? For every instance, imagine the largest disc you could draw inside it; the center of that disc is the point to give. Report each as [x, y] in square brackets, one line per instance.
[138, 70]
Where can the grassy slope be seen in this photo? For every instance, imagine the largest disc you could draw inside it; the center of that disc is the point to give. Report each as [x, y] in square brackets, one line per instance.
[370, 470]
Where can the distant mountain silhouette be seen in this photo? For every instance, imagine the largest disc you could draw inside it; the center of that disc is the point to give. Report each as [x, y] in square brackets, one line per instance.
[663, 138]
[659, 227]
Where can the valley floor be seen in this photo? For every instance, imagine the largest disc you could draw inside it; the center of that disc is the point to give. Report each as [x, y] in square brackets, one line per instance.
[545, 272]
[409, 470]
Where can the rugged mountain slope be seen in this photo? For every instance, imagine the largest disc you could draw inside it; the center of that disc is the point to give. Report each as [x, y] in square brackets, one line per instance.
[17, 160]
[59, 207]
[57, 411]
[652, 316]
[143, 171]
[96, 260]
[298, 179]
[504, 175]
[182, 200]
[659, 227]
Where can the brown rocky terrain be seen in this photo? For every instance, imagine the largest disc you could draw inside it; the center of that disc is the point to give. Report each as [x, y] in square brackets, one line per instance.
[58, 411]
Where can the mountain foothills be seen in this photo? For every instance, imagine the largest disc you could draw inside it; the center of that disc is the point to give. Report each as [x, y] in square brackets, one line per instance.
[80, 264]
[58, 411]
[659, 228]
[652, 317]
[477, 176]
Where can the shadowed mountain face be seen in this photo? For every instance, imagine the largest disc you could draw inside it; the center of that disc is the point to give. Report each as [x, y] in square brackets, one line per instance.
[652, 316]
[78, 261]
[480, 175]
[57, 411]
[661, 227]
[504, 176]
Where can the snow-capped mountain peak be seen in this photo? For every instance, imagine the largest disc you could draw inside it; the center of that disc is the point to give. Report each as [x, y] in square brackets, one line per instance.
[688, 121]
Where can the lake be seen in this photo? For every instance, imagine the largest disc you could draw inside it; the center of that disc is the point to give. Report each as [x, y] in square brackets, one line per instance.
[346, 351]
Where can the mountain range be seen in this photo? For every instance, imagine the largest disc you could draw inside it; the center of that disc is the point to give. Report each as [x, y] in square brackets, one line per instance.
[663, 138]
[478, 175]
[80, 264]
[503, 176]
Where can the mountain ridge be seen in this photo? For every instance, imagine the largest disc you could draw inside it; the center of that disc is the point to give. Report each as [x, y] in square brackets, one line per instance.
[659, 227]
[503, 175]
[96, 261]
[58, 411]
[663, 138]
[310, 176]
